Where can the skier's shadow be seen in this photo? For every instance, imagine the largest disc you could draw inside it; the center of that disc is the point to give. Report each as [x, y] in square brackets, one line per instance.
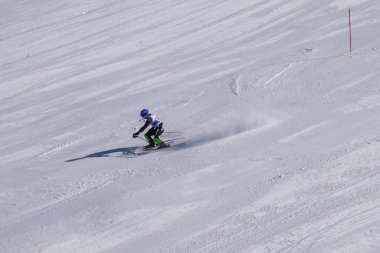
[108, 153]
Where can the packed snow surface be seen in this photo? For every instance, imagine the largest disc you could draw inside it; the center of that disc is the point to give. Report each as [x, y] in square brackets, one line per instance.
[282, 126]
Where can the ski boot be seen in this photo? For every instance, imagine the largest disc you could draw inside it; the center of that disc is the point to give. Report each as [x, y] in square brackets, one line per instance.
[151, 145]
[160, 143]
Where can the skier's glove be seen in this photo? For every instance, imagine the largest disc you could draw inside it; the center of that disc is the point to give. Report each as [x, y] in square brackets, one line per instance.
[135, 135]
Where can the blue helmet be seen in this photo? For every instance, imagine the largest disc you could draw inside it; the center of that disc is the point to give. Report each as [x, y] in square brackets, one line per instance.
[144, 113]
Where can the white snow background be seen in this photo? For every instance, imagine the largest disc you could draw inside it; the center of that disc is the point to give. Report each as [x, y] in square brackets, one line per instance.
[282, 126]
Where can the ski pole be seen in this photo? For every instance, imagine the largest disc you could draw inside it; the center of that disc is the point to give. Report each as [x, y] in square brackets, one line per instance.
[142, 138]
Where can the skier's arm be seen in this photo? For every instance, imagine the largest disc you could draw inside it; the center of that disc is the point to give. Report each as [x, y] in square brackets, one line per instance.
[148, 121]
[143, 127]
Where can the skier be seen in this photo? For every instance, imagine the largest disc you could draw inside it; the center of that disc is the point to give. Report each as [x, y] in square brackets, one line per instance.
[155, 131]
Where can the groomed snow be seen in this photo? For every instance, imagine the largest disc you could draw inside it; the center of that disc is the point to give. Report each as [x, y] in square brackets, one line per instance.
[282, 126]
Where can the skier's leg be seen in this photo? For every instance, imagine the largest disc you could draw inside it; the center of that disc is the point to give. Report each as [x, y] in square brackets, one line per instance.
[148, 136]
[157, 141]
[157, 134]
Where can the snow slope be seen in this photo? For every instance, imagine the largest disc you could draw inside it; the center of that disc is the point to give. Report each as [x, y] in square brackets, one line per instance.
[282, 126]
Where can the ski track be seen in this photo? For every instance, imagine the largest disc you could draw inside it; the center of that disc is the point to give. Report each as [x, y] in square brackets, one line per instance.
[281, 126]
[302, 132]
[61, 146]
